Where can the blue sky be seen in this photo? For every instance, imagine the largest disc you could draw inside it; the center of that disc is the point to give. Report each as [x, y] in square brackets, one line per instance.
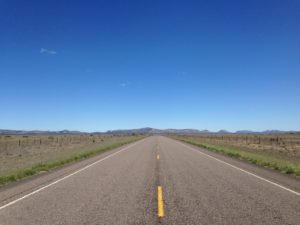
[100, 65]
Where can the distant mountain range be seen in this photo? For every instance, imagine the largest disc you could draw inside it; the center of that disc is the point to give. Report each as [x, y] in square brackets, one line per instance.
[8, 132]
[146, 130]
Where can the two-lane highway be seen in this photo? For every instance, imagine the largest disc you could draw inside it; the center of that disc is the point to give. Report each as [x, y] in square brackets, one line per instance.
[156, 180]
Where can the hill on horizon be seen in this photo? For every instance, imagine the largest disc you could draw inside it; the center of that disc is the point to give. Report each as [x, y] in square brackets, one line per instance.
[145, 130]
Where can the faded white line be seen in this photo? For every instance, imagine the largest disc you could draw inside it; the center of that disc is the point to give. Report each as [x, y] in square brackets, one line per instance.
[245, 171]
[66, 177]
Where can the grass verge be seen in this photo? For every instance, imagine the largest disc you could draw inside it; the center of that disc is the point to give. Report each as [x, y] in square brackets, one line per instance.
[20, 174]
[255, 158]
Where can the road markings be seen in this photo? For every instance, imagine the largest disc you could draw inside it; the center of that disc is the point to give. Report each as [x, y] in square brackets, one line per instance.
[245, 171]
[66, 177]
[157, 156]
[160, 209]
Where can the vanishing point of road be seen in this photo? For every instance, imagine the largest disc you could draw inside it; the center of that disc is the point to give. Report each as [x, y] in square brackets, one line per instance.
[154, 181]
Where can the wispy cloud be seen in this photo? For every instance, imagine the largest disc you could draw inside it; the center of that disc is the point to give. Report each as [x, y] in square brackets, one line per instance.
[47, 51]
[125, 84]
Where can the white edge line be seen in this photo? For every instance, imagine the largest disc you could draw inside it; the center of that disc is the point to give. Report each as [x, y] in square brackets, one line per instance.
[66, 177]
[245, 171]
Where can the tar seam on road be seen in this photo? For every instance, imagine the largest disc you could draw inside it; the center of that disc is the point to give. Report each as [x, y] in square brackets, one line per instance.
[66, 177]
[245, 171]
[160, 203]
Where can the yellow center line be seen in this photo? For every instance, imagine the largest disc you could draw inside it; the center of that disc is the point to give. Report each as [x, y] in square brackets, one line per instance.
[157, 156]
[160, 202]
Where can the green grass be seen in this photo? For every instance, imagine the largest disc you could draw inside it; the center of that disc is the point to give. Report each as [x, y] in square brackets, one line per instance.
[253, 157]
[20, 174]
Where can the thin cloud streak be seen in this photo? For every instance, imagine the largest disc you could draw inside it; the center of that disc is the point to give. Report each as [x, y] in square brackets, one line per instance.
[47, 51]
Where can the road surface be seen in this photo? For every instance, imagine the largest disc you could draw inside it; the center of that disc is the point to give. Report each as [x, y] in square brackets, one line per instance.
[154, 181]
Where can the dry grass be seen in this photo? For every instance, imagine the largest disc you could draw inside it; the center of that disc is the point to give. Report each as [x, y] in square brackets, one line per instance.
[22, 156]
[280, 152]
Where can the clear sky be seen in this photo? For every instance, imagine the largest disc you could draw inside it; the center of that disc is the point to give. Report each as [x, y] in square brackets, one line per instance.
[99, 65]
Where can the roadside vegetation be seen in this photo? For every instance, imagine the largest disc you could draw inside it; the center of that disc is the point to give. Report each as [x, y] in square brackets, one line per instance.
[71, 154]
[283, 162]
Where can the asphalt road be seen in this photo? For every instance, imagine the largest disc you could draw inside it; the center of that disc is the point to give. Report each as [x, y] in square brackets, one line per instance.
[154, 181]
